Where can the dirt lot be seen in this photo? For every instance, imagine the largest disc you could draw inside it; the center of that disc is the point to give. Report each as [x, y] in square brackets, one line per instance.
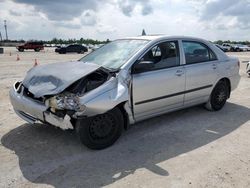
[188, 148]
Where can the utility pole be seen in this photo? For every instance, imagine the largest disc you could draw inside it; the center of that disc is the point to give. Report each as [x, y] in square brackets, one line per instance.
[5, 26]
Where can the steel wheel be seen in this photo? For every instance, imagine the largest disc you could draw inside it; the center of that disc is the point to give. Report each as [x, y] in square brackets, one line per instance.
[100, 131]
[102, 127]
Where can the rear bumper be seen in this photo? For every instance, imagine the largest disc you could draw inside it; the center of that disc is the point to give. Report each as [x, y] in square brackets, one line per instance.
[33, 112]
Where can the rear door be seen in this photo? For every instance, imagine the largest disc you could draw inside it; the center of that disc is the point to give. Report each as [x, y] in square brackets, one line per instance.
[160, 88]
[70, 48]
[28, 45]
[201, 71]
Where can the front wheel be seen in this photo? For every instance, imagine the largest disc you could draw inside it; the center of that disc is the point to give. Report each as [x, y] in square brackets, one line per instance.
[218, 96]
[100, 131]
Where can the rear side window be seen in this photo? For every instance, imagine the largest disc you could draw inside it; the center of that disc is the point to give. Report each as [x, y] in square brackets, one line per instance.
[196, 52]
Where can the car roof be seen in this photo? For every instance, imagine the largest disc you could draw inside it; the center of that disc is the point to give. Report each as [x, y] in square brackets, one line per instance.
[163, 37]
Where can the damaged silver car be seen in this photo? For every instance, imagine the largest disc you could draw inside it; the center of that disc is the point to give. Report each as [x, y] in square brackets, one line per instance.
[123, 82]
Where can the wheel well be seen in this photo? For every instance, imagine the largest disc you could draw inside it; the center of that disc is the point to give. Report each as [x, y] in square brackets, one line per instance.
[125, 115]
[123, 111]
[227, 81]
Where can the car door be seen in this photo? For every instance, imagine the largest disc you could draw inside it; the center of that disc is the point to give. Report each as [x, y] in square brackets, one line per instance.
[201, 71]
[70, 48]
[28, 45]
[75, 48]
[160, 88]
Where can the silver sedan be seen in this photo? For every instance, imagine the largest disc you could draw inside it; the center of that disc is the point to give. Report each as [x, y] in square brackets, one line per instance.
[123, 82]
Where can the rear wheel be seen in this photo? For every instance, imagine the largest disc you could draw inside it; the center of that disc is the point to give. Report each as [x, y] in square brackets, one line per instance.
[62, 52]
[100, 131]
[20, 49]
[37, 49]
[218, 96]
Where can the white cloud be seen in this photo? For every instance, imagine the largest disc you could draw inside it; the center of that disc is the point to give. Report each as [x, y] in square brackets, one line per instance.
[88, 17]
[209, 19]
[104, 29]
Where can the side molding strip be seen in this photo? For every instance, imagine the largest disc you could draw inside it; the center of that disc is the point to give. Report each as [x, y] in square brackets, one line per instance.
[172, 95]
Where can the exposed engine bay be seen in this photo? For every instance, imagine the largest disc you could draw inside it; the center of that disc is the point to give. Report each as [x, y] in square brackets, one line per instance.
[88, 83]
[68, 102]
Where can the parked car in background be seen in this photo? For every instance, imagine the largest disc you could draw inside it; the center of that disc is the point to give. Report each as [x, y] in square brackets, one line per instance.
[71, 48]
[236, 47]
[248, 68]
[227, 46]
[36, 46]
[248, 47]
[241, 48]
[223, 48]
[124, 82]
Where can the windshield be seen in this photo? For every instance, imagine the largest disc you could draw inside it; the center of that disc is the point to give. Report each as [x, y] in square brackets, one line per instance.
[114, 54]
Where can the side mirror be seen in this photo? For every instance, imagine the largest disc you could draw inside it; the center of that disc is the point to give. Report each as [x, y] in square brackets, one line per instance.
[143, 66]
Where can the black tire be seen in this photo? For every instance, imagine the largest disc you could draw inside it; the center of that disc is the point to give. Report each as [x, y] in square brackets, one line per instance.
[20, 49]
[100, 131]
[62, 52]
[218, 96]
[37, 49]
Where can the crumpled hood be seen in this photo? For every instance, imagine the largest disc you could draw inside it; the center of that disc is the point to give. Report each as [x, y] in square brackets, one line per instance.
[53, 78]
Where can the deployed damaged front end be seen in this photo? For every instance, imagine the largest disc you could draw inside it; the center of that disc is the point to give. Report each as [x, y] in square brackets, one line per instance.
[91, 95]
[59, 94]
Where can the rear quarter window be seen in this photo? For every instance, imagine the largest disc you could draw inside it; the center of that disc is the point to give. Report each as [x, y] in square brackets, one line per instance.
[196, 52]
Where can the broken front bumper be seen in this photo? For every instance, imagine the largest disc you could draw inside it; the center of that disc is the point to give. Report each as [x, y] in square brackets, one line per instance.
[33, 111]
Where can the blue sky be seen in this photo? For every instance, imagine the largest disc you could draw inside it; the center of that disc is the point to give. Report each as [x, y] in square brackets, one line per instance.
[209, 19]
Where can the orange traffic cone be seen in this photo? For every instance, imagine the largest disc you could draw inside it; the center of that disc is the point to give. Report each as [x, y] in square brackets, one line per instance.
[17, 57]
[35, 64]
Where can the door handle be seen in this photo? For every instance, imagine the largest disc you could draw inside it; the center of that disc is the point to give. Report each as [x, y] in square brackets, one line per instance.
[214, 66]
[179, 72]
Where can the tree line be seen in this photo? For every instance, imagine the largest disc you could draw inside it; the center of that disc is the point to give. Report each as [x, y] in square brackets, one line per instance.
[94, 42]
[64, 41]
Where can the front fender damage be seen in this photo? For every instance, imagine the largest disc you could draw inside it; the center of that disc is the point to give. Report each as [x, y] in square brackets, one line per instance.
[114, 91]
[106, 97]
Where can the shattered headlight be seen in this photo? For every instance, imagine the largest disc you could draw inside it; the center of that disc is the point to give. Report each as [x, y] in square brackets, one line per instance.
[66, 101]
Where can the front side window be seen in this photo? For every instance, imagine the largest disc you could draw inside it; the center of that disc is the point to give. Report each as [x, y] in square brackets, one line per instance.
[196, 52]
[163, 55]
[114, 54]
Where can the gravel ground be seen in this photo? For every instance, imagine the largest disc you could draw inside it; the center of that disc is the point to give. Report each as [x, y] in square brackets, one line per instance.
[188, 148]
